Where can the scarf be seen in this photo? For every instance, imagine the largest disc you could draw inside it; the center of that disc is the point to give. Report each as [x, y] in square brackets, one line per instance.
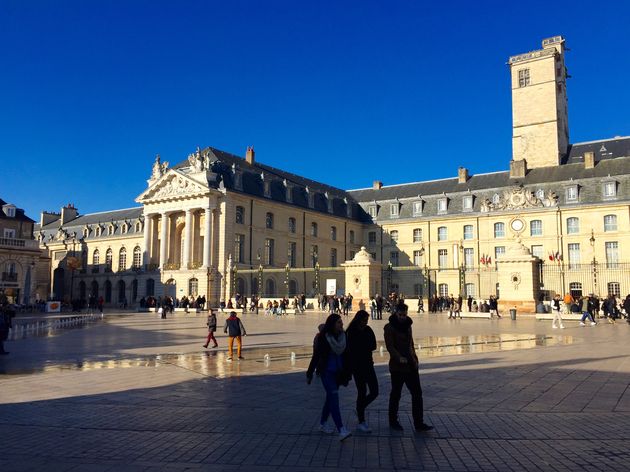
[337, 343]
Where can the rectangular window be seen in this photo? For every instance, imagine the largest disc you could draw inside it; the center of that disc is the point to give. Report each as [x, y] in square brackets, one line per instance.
[291, 253]
[573, 225]
[333, 233]
[498, 251]
[499, 230]
[537, 250]
[417, 258]
[442, 259]
[610, 189]
[394, 236]
[610, 223]
[468, 231]
[393, 257]
[574, 255]
[467, 203]
[442, 205]
[9, 233]
[523, 78]
[393, 210]
[535, 228]
[612, 255]
[417, 208]
[417, 235]
[333, 257]
[442, 233]
[269, 251]
[469, 257]
[372, 237]
[572, 194]
[372, 211]
[239, 247]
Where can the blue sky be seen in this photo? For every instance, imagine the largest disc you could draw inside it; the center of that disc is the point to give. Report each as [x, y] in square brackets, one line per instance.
[343, 92]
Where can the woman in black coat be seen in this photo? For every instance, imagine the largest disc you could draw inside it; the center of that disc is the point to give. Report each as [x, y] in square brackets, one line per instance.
[361, 343]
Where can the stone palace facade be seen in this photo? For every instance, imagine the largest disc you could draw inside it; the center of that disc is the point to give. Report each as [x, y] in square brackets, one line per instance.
[219, 224]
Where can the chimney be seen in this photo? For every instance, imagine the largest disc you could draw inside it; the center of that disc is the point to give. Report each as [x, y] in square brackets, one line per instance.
[589, 160]
[518, 169]
[249, 155]
[462, 175]
[68, 213]
[47, 217]
[377, 185]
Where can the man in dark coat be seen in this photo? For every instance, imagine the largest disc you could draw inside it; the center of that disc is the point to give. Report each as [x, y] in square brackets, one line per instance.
[403, 368]
[234, 329]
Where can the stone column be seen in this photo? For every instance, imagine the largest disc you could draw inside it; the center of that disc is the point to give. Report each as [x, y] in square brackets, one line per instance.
[207, 239]
[187, 239]
[163, 239]
[148, 223]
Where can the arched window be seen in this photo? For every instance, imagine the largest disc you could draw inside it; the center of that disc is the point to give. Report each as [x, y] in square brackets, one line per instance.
[99, 231]
[573, 225]
[610, 223]
[240, 215]
[314, 229]
[123, 228]
[351, 236]
[86, 232]
[138, 227]
[535, 228]
[134, 290]
[108, 291]
[417, 235]
[442, 233]
[292, 225]
[269, 221]
[96, 257]
[270, 288]
[150, 291]
[393, 236]
[122, 259]
[293, 288]
[499, 230]
[333, 233]
[108, 260]
[137, 257]
[110, 230]
[193, 287]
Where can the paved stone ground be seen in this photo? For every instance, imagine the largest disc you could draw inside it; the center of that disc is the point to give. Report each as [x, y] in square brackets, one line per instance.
[135, 393]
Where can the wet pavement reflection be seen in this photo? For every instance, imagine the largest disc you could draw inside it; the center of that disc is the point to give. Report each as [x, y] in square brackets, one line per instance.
[270, 360]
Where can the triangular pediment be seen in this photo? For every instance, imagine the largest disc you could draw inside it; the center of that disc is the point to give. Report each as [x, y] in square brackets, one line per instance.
[172, 186]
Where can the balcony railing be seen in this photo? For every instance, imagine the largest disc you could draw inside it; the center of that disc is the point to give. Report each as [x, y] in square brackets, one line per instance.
[15, 242]
[9, 277]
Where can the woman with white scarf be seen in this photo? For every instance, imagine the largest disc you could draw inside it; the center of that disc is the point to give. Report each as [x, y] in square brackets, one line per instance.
[329, 362]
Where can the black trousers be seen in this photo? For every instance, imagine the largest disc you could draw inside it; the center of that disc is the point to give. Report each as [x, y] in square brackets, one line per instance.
[412, 381]
[365, 379]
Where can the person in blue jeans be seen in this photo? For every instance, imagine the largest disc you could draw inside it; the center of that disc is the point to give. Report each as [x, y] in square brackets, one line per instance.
[328, 362]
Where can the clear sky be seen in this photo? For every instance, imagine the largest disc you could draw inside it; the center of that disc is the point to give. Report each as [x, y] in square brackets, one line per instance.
[343, 92]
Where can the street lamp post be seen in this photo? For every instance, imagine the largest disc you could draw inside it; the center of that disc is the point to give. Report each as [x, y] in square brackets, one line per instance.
[462, 269]
[594, 263]
[390, 269]
[260, 275]
[286, 281]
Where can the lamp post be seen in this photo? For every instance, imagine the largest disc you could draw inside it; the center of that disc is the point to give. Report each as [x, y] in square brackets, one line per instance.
[316, 274]
[287, 270]
[426, 283]
[462, 269]
[210, 279]
[260, 275]
[390, 269]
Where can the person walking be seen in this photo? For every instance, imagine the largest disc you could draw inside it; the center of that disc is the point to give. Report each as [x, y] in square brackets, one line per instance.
[584, 304]
[235, 330]
[361, 344]
[403, 369]
[329, 355]
[212, 327]
[555, 308]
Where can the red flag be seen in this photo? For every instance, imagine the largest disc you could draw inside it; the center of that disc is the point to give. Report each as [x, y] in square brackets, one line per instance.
[489, 260]
[482, 259]
[550, 256]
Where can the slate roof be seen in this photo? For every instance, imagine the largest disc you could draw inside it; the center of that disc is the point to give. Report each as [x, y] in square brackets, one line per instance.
[19, 214]
[603, 149]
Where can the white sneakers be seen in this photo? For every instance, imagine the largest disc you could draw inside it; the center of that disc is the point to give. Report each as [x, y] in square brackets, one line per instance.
[363, 428]
[344, 433]
[593, 323]
[582, 323]
[556, 327]
[326, 428]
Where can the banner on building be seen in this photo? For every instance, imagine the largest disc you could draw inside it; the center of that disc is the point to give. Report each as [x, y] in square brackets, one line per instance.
[331, 286]
[53, 307]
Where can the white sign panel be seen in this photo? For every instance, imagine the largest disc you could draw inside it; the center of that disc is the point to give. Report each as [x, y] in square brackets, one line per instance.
[331, 286]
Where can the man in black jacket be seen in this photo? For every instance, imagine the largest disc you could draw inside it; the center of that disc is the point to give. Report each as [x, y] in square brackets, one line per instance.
[234, 329]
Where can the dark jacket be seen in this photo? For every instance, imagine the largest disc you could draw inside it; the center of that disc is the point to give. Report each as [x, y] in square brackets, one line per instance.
[212, 322]
[319, 361]
[361, 343]
[234, 327]
[399, 342]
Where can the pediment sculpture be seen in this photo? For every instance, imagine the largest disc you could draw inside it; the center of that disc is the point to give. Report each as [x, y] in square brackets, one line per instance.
[159, 169]
[517, 198]
[198, 161]
[175, 187]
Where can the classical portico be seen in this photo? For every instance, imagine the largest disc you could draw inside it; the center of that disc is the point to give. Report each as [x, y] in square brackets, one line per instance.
[180, 227]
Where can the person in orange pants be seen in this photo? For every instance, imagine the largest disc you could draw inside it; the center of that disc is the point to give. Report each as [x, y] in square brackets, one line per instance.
[235, 330]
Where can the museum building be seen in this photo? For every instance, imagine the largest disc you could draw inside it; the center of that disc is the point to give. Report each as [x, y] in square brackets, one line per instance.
[220, 224]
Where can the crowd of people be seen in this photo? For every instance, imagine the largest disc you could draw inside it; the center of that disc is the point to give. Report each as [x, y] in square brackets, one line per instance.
[591, 307]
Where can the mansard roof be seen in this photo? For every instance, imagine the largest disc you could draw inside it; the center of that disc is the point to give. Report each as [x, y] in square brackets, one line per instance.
[603, 149]
[104, 217]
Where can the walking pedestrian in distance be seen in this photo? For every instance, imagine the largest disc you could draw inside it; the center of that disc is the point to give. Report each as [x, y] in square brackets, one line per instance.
[329, 363]
[212, 327]
[555, 308]
[403, 368]
[235, 330]
[361, 344]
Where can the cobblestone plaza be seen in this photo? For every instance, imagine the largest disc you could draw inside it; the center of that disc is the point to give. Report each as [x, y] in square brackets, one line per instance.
[132, 392]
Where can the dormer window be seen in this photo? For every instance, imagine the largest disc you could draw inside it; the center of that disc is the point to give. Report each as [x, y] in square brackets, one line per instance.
[372, 211]
[124, 229]
[610, 189]
[467, 203]
[110, 230]
[572, 193]
[138, 227]
[9, 210]
[99, 231]
[417, 208]
[86, 232]
[442, 205]
[393, 210]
